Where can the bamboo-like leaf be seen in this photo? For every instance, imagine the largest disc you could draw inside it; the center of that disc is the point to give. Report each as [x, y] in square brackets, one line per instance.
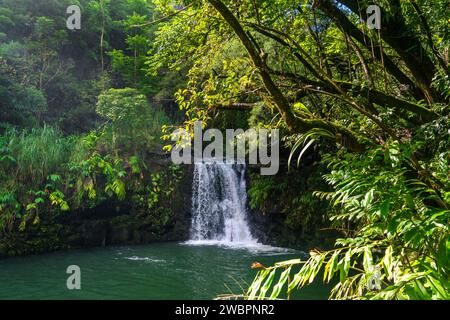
[303, 151]
[367, 261]
[387, 262]
[289, 263]
[267, 284]
[277, 288]
[254, 288]
[330, 267]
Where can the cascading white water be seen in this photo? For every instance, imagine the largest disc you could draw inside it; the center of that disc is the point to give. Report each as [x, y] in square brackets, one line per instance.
[219, 203]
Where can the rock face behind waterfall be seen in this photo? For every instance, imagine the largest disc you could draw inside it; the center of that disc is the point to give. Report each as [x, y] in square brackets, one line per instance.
[219, 200]
[283, 210]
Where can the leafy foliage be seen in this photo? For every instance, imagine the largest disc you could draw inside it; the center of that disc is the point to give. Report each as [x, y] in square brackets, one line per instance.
[396, 243]
[44, 172]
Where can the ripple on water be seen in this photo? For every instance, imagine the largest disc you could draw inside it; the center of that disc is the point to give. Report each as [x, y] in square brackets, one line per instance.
[146, 259]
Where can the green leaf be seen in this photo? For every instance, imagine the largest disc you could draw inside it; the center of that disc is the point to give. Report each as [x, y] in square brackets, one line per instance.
[267, 284]
[288, 263]
[330, 267]
[443, 253]
[384, 209]
[39, 200]
[368, 261]
[345, 265]
[387, 262]
[277, 288]
[256, 284]
[368, 198]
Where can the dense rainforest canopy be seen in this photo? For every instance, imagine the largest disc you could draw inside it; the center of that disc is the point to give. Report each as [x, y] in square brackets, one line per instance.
[80, 110]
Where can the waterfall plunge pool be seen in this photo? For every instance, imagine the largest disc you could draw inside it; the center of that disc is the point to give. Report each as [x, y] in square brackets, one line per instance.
[215, 261]
[166, 271]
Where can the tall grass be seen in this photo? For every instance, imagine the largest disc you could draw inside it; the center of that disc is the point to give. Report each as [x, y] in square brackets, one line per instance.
[36, 153]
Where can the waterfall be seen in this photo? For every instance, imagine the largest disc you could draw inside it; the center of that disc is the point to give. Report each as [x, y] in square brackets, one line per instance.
[219, 203]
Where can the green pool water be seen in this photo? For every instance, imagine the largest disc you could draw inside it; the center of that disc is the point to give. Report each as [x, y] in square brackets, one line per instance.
[157, 271]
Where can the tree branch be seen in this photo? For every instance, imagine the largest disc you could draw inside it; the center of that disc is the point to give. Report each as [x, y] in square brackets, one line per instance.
[348, 27]
[293, 124]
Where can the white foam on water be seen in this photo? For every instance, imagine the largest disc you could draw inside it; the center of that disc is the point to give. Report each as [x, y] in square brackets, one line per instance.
[146, 259]
[253, 247]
